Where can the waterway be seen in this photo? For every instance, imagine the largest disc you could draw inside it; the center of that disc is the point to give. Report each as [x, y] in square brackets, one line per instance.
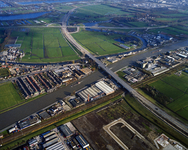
[22, 16]
[48, 2]
[90, 24]
[25, 110]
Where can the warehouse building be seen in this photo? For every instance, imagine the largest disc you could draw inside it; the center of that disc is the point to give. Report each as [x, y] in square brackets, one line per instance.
[82, 141]
[56, 146]
[64, 129]
[44, 115]
[30, 121]
[104, 87]
[90, 93]
[51, 143]
[86, 71]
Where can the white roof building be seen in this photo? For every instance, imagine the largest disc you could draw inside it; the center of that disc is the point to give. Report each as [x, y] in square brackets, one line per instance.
[104, 87]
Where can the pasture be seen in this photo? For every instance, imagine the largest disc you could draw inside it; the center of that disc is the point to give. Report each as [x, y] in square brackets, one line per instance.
[102, 10]
[44, 45]
[99, 43]
[175, 87]
[8, 96]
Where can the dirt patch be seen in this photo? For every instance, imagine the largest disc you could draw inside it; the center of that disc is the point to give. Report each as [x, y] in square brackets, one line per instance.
[12, 40]
[91, 126]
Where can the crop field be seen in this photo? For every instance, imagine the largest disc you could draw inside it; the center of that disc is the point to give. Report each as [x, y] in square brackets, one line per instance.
[8, 96]
[98, 42]
[175, 87]
[44, 45]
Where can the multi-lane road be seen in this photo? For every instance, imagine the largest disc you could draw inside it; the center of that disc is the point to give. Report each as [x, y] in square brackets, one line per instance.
[176, 124]
[25, 110]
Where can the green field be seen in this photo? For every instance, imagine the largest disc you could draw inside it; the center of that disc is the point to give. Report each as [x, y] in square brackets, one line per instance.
[99, 43]
[166, 19]
[8, 96]
[96, 12]
[102, 10]
[4, 72]
[44, 45]
[175, 87]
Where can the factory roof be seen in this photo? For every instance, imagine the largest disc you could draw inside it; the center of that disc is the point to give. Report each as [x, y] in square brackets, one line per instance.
[56, 146]
[44, 115]
[66, 131]
[82, 141]
[104, 87]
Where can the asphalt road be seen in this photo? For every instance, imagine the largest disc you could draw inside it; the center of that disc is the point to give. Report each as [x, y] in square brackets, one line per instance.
[23, 111]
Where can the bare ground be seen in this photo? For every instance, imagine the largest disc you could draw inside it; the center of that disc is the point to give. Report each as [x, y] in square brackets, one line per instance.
[91, 126]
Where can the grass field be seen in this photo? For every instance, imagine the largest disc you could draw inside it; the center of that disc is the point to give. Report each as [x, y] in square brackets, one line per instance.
[98, 42]
[103, 10]
[97, 13]
[4, 72]
[8, 96]
[170, 30]
[175, 87]
[166, 19]
[44, 45]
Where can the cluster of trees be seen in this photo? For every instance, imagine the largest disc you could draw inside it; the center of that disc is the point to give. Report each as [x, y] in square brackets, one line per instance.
[158, 96]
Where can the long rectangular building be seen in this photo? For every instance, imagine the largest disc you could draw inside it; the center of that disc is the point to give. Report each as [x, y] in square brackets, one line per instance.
[104, 87]
[65, 130]
[82, 141]
[90, 92]
[51, 142]
[56, 146]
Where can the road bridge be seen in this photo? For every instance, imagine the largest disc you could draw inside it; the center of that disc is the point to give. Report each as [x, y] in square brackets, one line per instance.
[174, 123]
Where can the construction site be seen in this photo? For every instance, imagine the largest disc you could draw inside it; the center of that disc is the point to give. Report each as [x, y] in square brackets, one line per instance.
[92, 127]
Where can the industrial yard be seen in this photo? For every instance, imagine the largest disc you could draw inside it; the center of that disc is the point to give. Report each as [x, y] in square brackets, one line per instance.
[63, 137]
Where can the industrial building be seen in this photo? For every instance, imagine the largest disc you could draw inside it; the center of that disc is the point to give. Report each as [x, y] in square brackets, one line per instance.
[56, 146]
[96, 91]
[86, 71]
[30, 121]
[44, 115]
[32, 142]
[90, 93]
[64, 129]
[104, 87]
[82, 141]
[51, 141]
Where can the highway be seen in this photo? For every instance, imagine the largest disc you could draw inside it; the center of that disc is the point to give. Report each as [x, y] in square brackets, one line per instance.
[179, 126]
[42, 102]
[25, 110]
